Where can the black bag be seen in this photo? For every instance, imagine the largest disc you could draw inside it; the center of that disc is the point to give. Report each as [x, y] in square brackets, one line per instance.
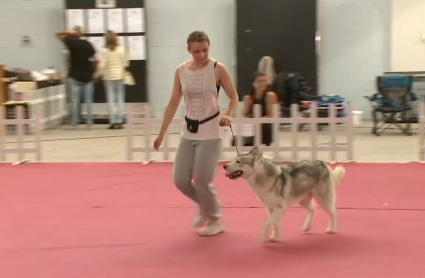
[193, 125]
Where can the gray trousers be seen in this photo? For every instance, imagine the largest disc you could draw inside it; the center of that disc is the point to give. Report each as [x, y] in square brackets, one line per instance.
[194, 170]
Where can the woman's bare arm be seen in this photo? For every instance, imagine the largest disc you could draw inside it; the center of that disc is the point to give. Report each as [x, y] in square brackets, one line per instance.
[173, 104]
[247, 106]
[226, 81]
[271, 101]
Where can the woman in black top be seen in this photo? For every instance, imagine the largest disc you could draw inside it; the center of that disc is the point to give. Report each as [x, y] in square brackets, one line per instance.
[260, 94]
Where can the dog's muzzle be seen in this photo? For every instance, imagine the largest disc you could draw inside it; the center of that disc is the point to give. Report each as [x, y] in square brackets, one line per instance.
[234, 175]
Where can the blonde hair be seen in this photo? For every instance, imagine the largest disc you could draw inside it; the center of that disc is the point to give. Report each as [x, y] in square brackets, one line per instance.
[197, 36]
[111, 40]
[266, 66]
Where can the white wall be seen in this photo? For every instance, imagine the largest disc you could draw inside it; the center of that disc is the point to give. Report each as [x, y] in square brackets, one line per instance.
[408, 35]
[355, 47]
[40, 19]
[169, 22]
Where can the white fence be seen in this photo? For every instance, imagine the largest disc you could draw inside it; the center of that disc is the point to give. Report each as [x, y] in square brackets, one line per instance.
[20, 122]
[243, 126]
[421, 123]
[49, 101]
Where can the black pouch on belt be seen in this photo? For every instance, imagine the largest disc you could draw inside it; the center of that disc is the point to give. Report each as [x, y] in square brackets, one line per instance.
[193, 125]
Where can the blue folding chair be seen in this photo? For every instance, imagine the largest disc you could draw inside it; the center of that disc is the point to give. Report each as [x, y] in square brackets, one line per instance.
[392, 102]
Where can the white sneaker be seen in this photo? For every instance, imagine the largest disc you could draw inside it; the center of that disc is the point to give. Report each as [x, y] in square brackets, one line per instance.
[214, 228]
[199, 221]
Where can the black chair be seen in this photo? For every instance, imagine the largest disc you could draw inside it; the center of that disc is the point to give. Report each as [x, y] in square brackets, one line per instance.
[291, 89]
[392, 102]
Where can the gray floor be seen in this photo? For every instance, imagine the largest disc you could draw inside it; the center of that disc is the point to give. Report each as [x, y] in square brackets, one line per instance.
[64, 144]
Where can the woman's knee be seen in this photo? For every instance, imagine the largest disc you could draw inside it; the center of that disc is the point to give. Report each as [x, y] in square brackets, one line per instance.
[180, 181]
[184, 185]
[203, 182]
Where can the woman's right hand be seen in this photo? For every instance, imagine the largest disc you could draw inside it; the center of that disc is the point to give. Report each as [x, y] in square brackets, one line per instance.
[157, 142]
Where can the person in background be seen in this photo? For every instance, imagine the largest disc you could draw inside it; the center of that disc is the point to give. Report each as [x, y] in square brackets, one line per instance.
[82, 69]
[260, 94]
[113, 66]
[266, 66]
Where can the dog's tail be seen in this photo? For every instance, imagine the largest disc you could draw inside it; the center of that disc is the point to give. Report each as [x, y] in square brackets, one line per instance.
[337, 175]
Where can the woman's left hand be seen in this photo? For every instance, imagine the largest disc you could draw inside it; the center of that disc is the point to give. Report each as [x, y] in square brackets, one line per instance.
[225, 121]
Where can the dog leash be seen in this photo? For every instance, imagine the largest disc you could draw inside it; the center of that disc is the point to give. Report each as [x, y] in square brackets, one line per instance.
[234, 139]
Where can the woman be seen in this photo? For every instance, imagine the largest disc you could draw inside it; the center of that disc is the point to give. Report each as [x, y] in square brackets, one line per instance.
[113, 67]
[266, 66]
[266, 99]
[199, 81]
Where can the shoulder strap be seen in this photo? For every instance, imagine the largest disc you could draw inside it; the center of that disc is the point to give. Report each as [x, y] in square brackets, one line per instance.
[218, 85]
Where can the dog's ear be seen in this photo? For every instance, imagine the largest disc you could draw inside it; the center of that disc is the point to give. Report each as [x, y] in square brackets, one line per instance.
[256, 152]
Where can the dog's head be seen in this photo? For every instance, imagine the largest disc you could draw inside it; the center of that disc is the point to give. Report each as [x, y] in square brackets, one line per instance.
[244, 164]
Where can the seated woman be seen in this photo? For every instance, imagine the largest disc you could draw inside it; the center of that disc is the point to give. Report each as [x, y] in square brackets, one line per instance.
[260, 94]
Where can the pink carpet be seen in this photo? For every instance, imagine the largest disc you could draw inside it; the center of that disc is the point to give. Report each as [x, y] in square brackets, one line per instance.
[127, 220]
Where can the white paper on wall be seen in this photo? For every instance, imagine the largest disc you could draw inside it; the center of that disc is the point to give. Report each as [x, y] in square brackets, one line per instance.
[97, 42]
[137, 47]
[115, 20]
[121, 41]
[74, 18]
[135, 20]
[95, 21]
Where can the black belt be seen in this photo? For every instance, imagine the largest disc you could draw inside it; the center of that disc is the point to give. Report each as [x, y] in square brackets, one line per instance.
[193, 125]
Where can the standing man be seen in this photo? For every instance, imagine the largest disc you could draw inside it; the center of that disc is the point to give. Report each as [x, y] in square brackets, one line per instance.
[82, 68]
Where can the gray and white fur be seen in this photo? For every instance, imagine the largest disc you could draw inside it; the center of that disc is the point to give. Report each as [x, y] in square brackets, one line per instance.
[279, 186]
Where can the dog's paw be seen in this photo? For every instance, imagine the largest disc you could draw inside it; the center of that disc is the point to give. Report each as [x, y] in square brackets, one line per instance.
[273, 239]
[306, 227]
[264, 237]
[330, 231]
[263, 240]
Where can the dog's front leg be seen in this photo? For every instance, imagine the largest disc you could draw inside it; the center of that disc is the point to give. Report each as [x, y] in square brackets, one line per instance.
[274, 220]
[279, 211]
[277, 232]
[265, 230]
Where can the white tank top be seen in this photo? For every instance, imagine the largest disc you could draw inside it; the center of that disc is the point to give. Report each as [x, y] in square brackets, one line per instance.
[201, 101]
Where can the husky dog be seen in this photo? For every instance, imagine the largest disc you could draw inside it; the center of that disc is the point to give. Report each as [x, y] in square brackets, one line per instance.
[279, 186]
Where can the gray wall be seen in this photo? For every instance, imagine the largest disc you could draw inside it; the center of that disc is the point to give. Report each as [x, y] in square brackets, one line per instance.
[355, 45]
[39, 19]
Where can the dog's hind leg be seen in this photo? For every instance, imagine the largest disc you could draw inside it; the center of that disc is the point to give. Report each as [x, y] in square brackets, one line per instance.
[307, 203]
[273, 228]
[327, 201]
